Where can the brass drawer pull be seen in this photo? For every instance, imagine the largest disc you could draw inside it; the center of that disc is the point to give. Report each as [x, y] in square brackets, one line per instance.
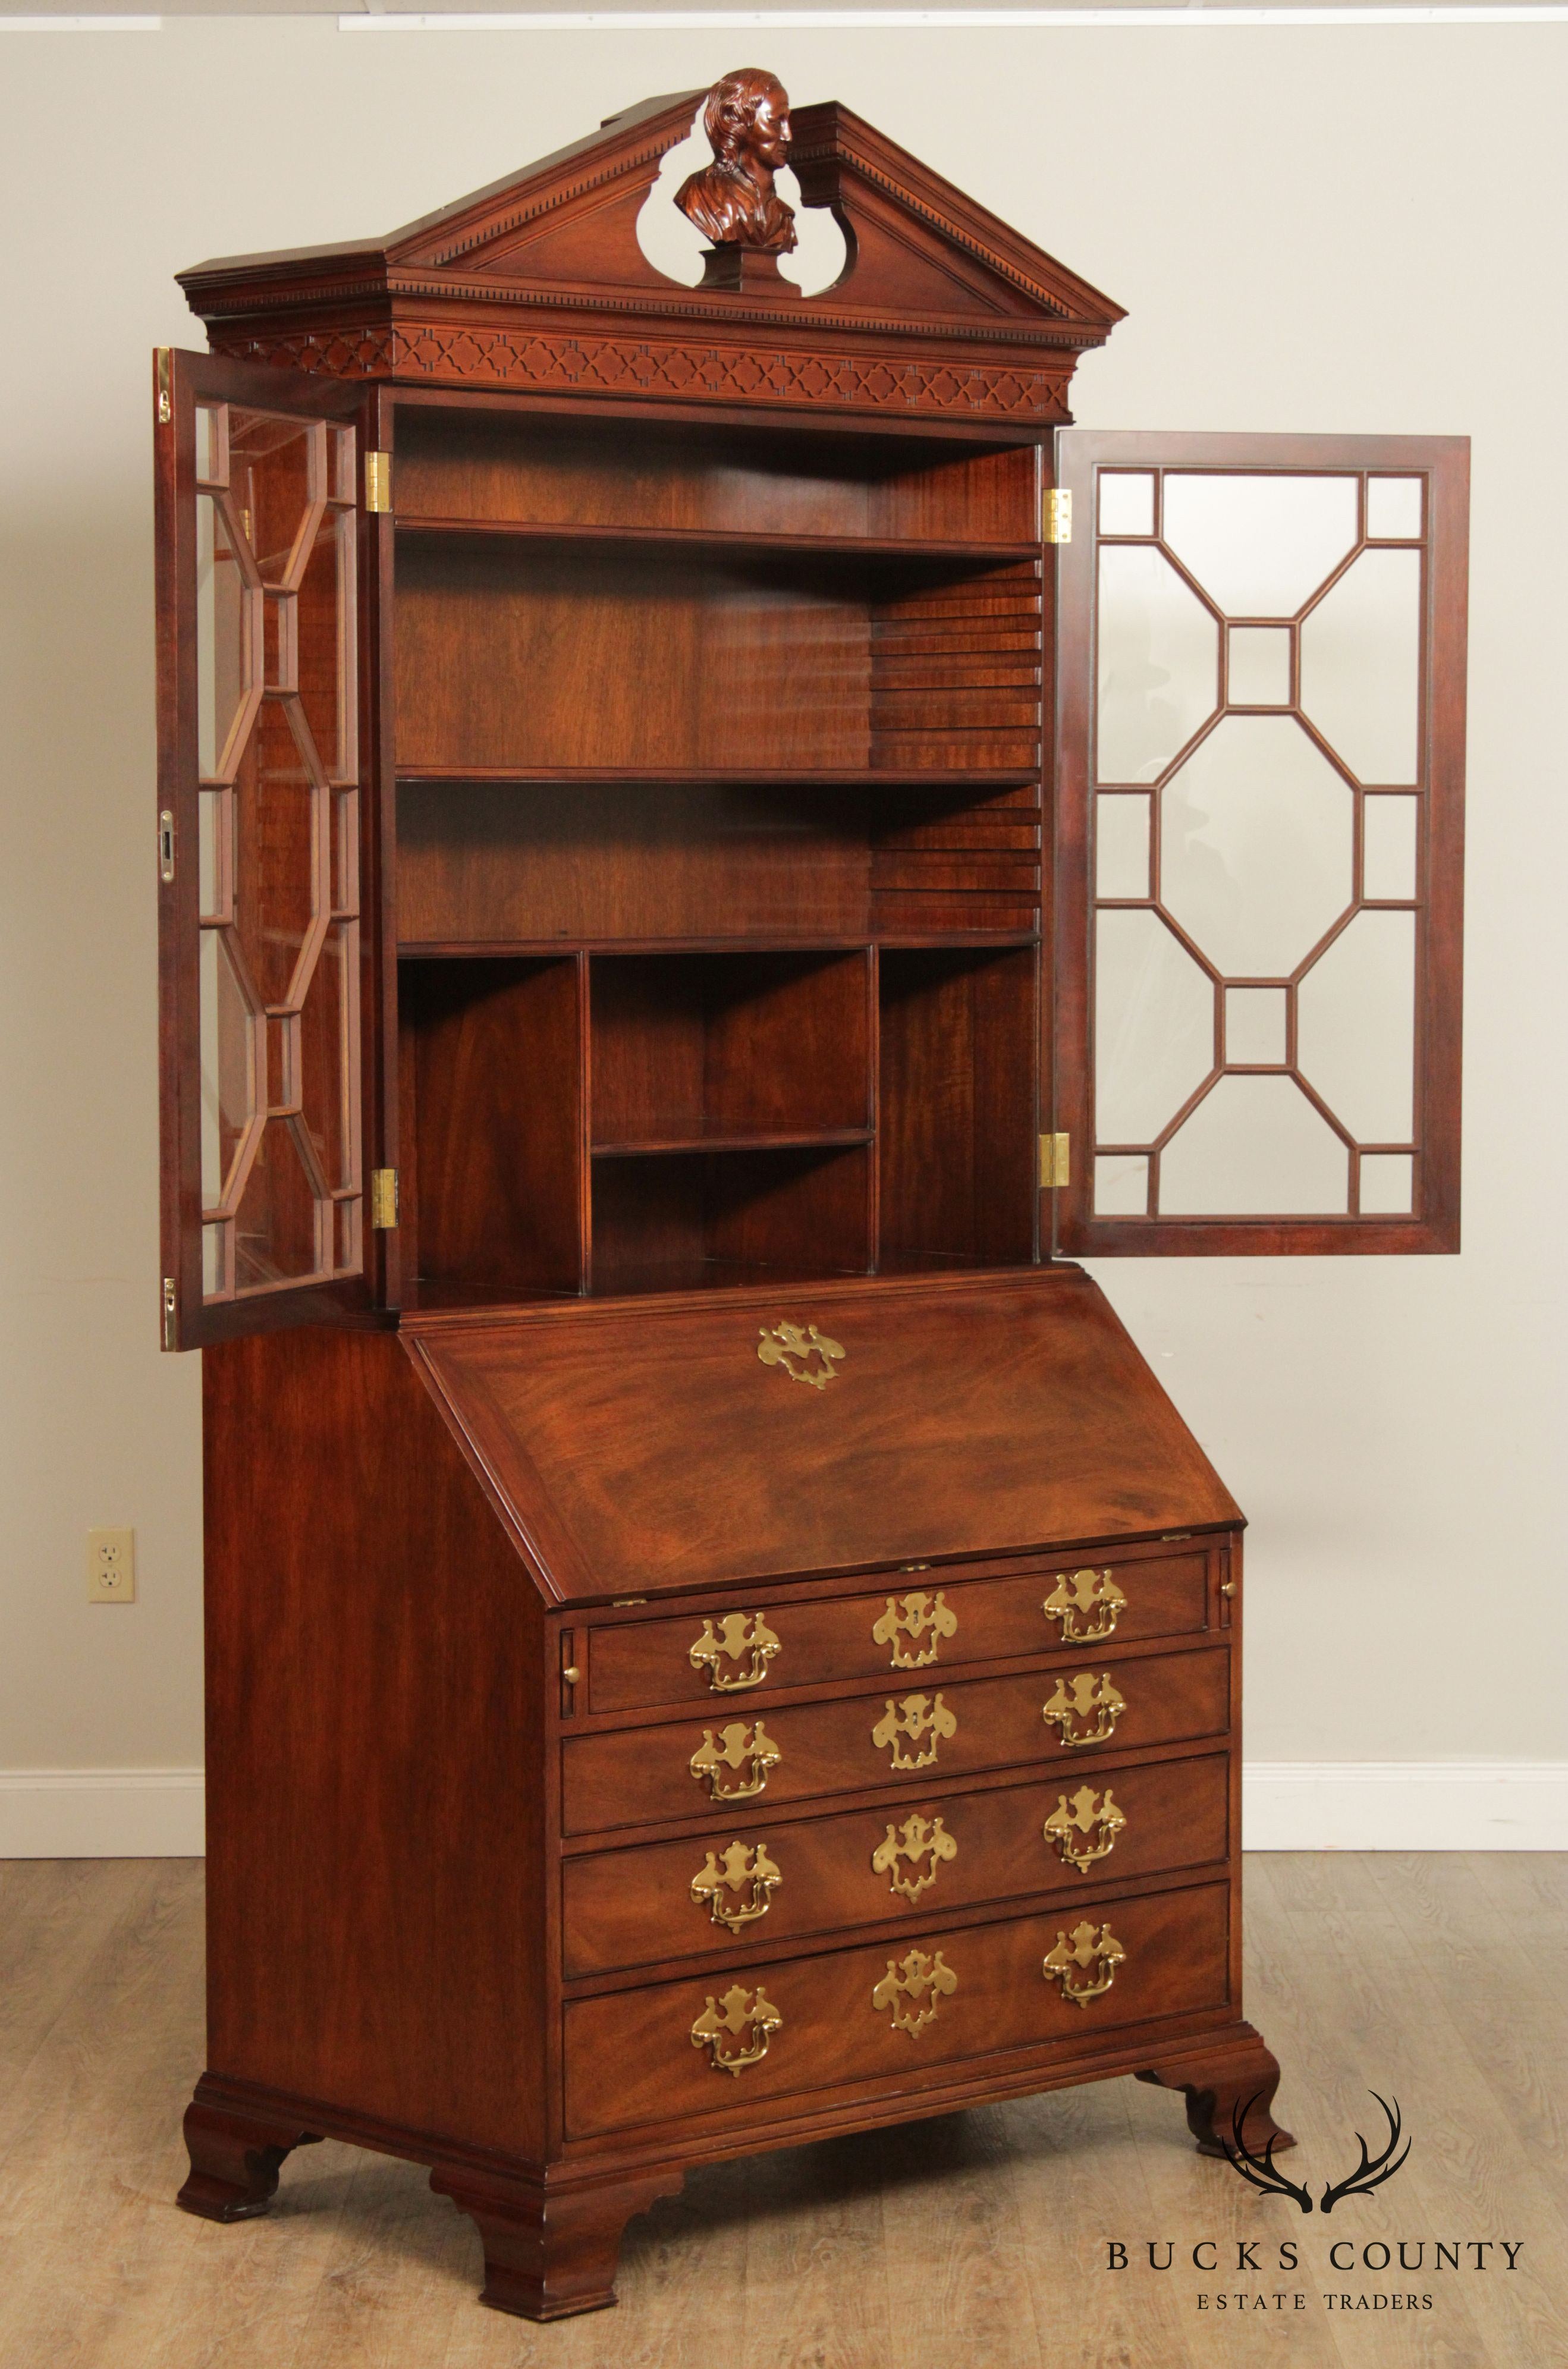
[738, 1747]
[1088, 1815]
[742, 1637]
[914, 1841]
[913, 1988]
[912, 1619]
[1086, 1603]
[725, 2020]
[739, 1887]
[907, 1722]
[1076, 1698]
[1086, 1948]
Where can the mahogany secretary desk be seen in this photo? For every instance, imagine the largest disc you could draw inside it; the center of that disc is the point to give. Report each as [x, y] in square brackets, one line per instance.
[705, 839]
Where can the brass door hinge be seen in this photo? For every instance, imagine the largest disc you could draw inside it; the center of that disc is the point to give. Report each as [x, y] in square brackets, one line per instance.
[383, 1199]
[378, 481]
[171, 1312]
[163, 367]
[1056, 1162]
[1058, 515]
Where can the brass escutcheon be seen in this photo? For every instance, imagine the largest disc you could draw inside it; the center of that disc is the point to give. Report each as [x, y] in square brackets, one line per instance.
[914, 1841]
[806, 1355]
[1075, 1596]
[727, 2019]
[912, 1619]
[913, 1990]
[743, 1638]
[736, 1746]
[916, 1716]
[1086, 1948]
[749, 1875]
[1088, 1815]
[1076, 1698]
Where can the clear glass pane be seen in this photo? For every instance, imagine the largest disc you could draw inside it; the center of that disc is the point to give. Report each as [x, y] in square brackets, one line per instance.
[1361, 666]
[350, 1215]
[345, 885]
[214, 1270]
[1254, 1148]
[1394, 508]
[227, 1065]
[323, 624]
[226, 649]
[1153, 1026]
[340, 464]
[1388, 847]
[1256, 846]
[1254, 1024]
[1121, 846]
[1388, 1184]
[1159, 663]
[1121, 1185]
[276, 1231]
[1260, 545]
[328, 1055]
[208, 439]
[211, 822]
[1260, 666]
[1356, 1027]
[277, 888]
[276, 468]
[1126, 502]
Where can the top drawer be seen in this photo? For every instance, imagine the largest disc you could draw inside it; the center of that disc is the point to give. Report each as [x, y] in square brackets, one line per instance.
[915, 1621]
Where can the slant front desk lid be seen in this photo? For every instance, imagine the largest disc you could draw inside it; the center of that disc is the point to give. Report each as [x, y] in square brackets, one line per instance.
[643, 1446]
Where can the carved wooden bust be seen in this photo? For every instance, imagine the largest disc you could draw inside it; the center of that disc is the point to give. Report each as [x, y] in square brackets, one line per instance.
[734, 202]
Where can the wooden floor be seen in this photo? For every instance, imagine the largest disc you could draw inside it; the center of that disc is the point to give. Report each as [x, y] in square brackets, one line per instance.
[976, 2240]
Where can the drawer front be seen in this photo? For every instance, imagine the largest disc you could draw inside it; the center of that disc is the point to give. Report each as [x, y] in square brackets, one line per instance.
[747, 1755]
[914, 1622]
[701, 2044]
[904, 1863]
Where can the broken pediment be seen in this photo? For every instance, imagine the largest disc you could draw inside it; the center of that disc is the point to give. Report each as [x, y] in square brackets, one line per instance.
[563, 232]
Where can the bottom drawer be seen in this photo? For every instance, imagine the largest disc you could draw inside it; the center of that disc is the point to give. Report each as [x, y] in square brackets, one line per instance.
[850, 2016]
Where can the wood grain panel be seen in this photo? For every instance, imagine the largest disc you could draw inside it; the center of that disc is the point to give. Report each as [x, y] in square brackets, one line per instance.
[549, 656]
[971, 1417]
[556, 471]
[630, 2058]
[641, 1665]
[639, 1776]
[375, 1785]
[633, 1907]
[493, 1109]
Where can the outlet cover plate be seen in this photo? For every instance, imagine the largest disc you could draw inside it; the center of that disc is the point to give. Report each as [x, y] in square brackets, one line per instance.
[111, 1566]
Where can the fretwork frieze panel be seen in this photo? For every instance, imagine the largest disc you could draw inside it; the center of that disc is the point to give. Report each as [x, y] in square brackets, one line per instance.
[620, 366]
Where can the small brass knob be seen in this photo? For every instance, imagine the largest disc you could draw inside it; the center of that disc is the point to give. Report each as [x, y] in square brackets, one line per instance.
[571, 1675]
[1227, 1587]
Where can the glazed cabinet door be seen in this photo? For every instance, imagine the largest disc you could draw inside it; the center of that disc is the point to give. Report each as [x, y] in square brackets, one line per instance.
[263, 1189]
[1261, 705]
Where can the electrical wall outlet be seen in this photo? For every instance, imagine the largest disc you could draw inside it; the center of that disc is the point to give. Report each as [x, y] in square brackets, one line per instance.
[111, 1566]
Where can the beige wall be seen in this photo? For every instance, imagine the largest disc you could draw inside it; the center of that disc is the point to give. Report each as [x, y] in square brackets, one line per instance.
[1335, 229]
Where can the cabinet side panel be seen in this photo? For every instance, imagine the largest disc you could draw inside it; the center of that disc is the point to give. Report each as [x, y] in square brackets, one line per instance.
[375, 1777]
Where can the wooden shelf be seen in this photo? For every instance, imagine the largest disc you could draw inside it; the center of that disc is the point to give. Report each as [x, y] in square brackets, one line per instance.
[922, 551]
[978, 778]
[775, 941]
[735, 1139]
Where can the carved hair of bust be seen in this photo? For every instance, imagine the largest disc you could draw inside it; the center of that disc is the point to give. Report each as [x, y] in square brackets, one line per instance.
[734, 202]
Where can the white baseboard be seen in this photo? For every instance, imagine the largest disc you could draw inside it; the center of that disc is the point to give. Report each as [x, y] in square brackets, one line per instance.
[1313, 1805]
[1413, 1805]
[102, 1813]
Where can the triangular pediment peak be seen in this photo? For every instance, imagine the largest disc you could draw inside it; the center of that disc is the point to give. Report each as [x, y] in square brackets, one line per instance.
[846, 163]
[621, 157]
